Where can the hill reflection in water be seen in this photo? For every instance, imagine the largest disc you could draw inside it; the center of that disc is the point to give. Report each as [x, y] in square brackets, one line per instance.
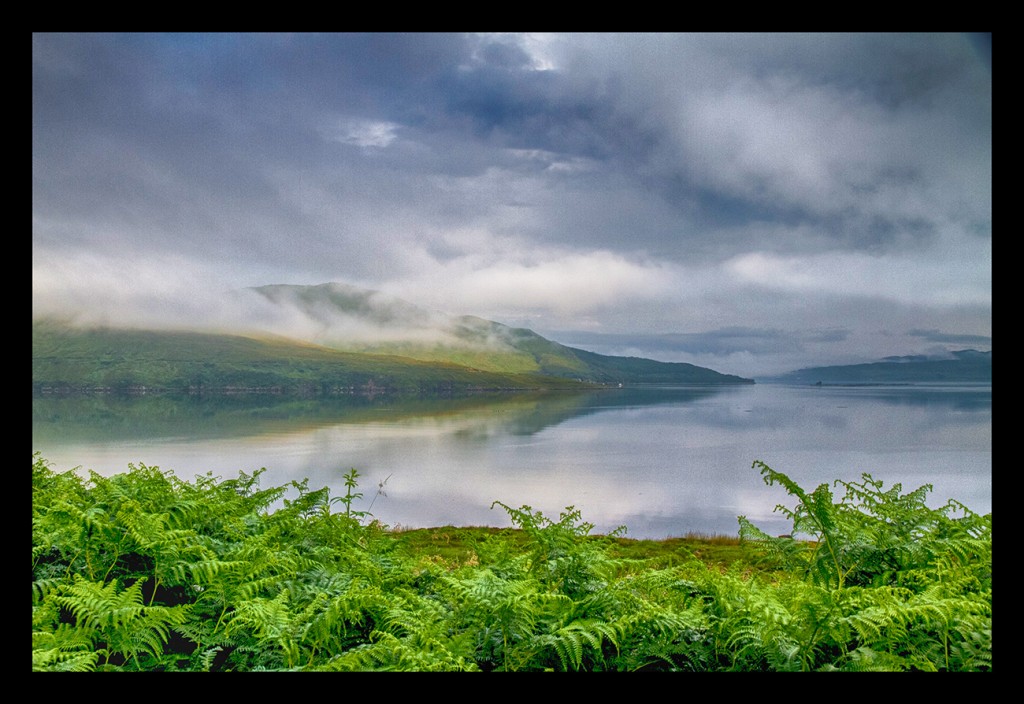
[662, 461]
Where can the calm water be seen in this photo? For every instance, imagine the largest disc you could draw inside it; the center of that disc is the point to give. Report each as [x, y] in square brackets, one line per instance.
[662, 461]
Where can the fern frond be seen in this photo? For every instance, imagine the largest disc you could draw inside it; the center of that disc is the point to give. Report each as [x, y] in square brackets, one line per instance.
[41, 588]
[866, 659]
[203, 571]
[389, 653]
[972, 651]
[570, 640]
[119, 617]
[99, 606]
[64, 649]
[206, 658]
[59, 660]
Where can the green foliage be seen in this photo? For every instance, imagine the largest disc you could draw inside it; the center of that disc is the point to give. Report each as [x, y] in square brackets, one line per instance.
[482, 355]
[559, 554]
[872, 536]
[143, 571]
[884, 582]
[117, 622]
[69, 359]
[351, 483]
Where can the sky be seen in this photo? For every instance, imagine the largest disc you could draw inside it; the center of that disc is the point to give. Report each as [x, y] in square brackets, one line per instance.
[750, 203]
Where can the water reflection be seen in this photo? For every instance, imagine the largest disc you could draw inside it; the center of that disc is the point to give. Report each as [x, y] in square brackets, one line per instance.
[662, 461]
[124, 417]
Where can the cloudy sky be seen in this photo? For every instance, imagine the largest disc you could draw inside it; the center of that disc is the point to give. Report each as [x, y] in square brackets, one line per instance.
[751, 203]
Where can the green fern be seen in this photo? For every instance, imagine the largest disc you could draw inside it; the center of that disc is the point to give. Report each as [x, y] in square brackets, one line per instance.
[118, 619]
[415, 634]
[571, 640]
[145, 572]
[63, 649]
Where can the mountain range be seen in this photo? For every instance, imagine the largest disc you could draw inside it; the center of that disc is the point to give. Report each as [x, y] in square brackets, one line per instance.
[963, 366]
[335, 338]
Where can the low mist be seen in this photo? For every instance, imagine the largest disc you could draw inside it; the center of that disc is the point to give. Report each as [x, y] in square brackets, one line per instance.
[97, 293]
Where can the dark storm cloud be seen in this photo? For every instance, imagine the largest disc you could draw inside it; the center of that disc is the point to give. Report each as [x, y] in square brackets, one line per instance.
[180, 143]
[525, 109]
[152, 152]
[214, 113]
[763, 156]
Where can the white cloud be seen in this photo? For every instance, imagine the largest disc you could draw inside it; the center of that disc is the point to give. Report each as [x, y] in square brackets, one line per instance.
[537, 282]
[362, 133]
[911, 279]
[159, 290]
[784, 142]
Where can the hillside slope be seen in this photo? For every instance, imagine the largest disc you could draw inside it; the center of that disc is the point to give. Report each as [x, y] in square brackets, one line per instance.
[335, 338]
[71, 359]
[965, 366]
[360, 320]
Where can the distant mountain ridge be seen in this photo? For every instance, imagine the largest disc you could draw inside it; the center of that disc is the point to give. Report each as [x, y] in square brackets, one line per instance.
[344, 340]
[963, 366]
[469, 340]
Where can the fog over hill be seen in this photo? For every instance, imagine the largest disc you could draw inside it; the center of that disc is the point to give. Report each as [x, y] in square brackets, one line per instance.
[345, 316]
[333, 314]
[338, 317]
[350, 318]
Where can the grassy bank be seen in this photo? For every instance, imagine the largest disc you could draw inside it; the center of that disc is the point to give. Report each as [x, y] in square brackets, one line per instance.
[457, 546]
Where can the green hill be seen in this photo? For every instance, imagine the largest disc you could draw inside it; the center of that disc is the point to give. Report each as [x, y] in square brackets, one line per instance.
[72, 359]
[353, 341]
[468, 340]
[965, 366]
[391, 326]
[637, 370]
